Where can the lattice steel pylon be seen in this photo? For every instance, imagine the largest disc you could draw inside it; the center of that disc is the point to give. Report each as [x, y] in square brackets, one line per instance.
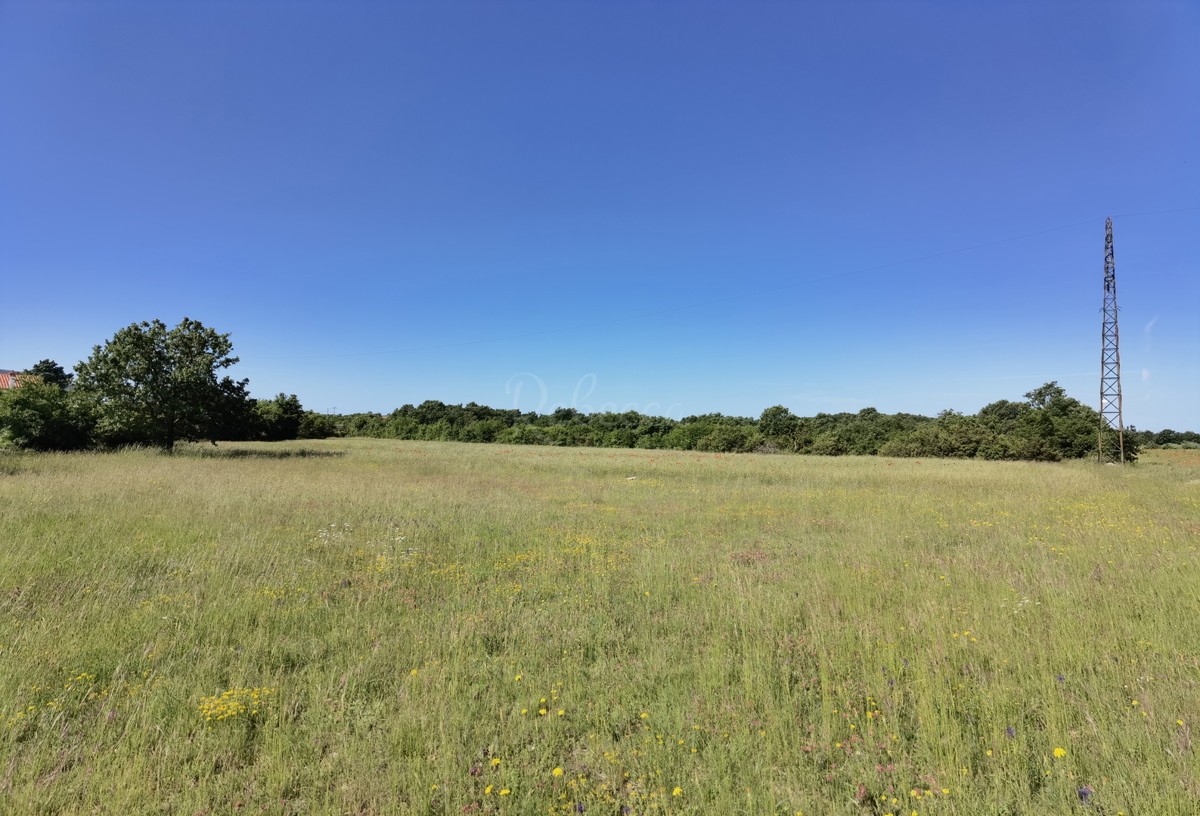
[1110, 361]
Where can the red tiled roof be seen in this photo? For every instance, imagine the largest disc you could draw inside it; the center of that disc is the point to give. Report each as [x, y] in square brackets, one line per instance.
[8, 379]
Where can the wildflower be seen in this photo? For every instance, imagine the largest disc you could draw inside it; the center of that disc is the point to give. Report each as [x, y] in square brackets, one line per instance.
[1085, 794]
[644, 715]
[505, 791]
[487, 790]
[495, 761]
[1060, 752]
[1011, 732]
[561, 712]
[1061, 679]
[557, 772]
[677, 792]
[414, 671]
[519, 676]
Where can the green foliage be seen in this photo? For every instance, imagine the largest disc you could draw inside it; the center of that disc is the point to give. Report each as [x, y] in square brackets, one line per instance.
[50, 373]
[1047, 426]
[40, 415]
[316, 426]
[280, 418]
[152, 386]
[157, 386]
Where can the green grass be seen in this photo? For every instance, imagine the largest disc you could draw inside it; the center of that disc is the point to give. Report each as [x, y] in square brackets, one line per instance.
[766, 634]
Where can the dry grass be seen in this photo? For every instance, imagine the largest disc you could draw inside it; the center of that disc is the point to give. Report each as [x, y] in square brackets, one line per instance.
[418, 628]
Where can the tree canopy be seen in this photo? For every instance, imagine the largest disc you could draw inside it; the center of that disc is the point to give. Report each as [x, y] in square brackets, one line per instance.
[50, 373]
[158, 386]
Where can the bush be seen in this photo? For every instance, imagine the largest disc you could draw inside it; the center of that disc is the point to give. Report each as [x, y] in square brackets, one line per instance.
[730, 439]
[43, 416]
[279, 419]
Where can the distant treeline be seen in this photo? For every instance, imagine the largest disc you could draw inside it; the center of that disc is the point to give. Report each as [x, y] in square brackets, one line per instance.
[150, 385]
[1047, 426]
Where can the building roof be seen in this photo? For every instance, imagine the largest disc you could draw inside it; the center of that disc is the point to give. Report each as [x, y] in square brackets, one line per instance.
[8, 379]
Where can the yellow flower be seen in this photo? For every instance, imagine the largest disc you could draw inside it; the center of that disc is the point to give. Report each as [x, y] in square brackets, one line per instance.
[487, 790]
[414, 671]
[495, 760]
[519, 676]
[677, 792]
[1060, 752]
[557, 772]
[561, 712]
[644, 715]
[505, 791]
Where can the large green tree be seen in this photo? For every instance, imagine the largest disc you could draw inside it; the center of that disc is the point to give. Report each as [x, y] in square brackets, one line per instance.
[158, 386]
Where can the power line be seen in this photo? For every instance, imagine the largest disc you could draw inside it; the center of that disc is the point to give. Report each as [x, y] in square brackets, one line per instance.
[725, 299]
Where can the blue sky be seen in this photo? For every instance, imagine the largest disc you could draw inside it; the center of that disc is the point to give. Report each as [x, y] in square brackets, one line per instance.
[650, 205]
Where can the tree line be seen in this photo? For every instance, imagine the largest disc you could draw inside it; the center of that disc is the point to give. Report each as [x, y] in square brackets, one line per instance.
[154, 386]
[1048, 425]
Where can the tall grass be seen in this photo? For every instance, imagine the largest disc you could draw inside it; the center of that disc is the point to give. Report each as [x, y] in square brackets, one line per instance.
[443, 628]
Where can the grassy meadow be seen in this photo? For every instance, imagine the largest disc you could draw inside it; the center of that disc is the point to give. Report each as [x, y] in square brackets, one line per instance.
[397, 627]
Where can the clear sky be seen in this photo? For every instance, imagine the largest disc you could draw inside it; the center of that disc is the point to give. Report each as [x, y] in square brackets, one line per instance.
[678, 207]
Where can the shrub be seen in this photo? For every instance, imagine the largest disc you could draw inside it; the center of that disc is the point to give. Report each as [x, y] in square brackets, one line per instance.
[42, 416]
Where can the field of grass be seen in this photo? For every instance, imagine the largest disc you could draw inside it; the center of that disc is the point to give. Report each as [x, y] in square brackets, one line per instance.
[383, 627]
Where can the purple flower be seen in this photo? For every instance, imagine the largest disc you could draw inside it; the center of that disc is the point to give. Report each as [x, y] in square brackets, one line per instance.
[1061, 679]
[579, 808]
[1085, 794]
[1012, 732]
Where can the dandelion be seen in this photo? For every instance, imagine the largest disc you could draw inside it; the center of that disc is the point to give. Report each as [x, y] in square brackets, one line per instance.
[414, 671]
[505, 791]
[557, 772]
[561, 712]
[495, 761]
[487, 790]
[644, 715]
[1060, 752]
[677, 792]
